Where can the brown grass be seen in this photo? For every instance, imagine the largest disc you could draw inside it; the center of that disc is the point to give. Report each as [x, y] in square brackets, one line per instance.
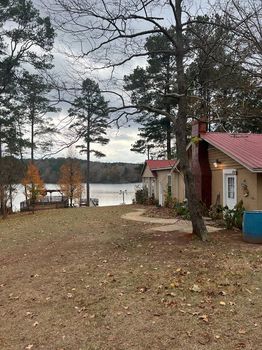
[86, 279]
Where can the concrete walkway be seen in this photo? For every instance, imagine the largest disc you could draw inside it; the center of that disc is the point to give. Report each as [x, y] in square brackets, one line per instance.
[167, 225]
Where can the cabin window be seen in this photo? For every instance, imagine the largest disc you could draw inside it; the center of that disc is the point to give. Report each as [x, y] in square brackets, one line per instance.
[231, 187]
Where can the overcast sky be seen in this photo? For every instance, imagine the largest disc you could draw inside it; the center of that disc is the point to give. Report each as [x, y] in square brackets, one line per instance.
[118, 149]
[121, 139]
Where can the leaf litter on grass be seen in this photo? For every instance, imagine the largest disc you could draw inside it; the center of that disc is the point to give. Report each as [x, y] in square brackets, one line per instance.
[99, 284]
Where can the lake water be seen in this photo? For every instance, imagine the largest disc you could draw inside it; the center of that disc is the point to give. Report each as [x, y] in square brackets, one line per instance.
[107, 194]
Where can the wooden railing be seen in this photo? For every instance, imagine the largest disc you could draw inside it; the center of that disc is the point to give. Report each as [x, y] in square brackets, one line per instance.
[52, 202]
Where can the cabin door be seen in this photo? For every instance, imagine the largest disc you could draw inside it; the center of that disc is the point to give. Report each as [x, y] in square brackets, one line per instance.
[230, 188]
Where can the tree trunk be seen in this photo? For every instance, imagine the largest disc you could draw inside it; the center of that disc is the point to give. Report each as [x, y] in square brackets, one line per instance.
[1, 185]
[71, 184]
[22, 160]
[2, 188]
[168, 140]
[198, 224]
[32, 137]
[88, 159]
[2, 201]
[33, 200]
[11, 197]
[87, 174]
[168, 109]
[71, 199]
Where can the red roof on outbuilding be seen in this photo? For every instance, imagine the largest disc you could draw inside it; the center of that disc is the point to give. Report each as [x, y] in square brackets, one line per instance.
[160, 164]
[246, 149]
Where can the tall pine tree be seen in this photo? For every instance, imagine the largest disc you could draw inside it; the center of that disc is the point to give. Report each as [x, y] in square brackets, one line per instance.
[152, 85]
[26, 40]
[34, 110]
[91, 122]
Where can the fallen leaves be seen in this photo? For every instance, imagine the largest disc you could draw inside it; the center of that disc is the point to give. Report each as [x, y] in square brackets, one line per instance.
[196, 289]
[204, 339]
[189, 333]
[13, 297]
[222, 292]
[141, 287]
[204, 318]
[174, 284]
[29, 347]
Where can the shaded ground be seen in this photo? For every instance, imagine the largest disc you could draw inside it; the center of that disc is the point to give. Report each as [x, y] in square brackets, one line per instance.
[87, 279]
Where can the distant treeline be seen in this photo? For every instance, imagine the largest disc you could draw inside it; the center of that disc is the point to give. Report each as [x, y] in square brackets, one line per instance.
[99, 172]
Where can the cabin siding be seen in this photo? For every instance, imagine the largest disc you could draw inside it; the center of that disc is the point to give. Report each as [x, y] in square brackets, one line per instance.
[148, 180]
[217, 187]
[250, 202]
[245, 176]
[178, 187]
[147, 172]
[226, 161]
[158, 185]
[162, 185]
[259, 191]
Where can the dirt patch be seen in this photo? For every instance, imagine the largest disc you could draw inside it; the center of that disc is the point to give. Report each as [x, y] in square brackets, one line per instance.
[86, 279]
[161, 212]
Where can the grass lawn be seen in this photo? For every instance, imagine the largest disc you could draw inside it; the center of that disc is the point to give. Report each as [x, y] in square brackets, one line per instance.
[86, 279]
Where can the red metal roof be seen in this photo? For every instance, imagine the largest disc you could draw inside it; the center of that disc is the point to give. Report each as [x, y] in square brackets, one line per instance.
[160, 164]
[246, 149]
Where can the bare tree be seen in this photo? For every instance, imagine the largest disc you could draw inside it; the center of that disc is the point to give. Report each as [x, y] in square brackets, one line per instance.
[111, 34]
[244, 20]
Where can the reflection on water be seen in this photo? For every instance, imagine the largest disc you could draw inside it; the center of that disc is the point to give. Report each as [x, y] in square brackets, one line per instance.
[107, 194]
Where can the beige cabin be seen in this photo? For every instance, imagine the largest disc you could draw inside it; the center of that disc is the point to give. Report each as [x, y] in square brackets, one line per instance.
[227, 168]
[158, 177]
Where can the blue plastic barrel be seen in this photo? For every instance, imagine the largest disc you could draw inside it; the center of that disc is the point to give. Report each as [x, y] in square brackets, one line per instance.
[252, 226]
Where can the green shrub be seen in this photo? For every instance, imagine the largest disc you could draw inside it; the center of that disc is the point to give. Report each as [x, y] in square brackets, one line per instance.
[141, 196]
[216, 212]
[181, 209]
[234, 217]
[152, 201]
[170, 202]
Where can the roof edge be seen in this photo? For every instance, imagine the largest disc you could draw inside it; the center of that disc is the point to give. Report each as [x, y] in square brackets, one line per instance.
[253, 170]
[157, 169]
